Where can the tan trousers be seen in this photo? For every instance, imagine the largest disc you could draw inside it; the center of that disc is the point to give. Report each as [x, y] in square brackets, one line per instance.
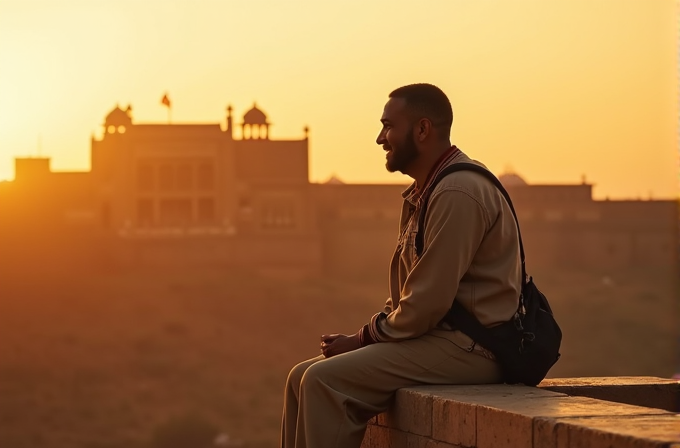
[328, 402]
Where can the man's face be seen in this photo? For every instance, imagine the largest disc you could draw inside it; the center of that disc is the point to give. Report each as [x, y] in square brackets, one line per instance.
[396, 136]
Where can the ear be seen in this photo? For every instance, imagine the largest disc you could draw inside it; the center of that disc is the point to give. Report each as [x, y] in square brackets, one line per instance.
[423, 129]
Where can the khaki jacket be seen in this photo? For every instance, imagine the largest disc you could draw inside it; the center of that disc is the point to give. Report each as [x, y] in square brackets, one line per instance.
[470, 254]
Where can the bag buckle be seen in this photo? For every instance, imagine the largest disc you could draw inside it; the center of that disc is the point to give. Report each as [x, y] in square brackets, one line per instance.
[522, 309]
[526, 336]
[518, 322]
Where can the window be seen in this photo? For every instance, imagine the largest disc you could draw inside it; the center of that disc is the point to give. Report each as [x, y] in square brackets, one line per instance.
[184, 177]
[175, 212]
[245, 207]
[145, 177]
[166, 181]
[278, 217]
[206, 210]
[206, 176]
[145, 212]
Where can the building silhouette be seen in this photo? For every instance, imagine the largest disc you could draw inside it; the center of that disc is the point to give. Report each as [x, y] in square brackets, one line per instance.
[214, 194]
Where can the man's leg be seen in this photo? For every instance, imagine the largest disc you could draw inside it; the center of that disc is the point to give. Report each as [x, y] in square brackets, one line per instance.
[339, 395]
[290, 402]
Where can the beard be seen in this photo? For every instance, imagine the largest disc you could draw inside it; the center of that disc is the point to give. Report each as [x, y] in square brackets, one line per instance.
[402, 154]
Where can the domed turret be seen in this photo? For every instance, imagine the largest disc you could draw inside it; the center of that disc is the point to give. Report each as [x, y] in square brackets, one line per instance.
[255, 116]
[334, 180]
[255, 124]
[118, 120]
[512, 180]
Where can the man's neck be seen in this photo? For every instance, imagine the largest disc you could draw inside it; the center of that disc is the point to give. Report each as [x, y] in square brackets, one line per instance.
[426, 163]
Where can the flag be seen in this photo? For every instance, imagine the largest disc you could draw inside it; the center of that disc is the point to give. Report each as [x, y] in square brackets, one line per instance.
[165, 101]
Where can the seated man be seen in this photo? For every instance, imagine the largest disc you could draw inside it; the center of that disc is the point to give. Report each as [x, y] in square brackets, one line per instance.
[470, 254]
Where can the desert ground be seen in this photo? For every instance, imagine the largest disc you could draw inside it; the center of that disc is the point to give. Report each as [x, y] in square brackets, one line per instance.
[133, 358]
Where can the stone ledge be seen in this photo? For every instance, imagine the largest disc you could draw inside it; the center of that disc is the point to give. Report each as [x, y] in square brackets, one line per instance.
[619, 431]
[484, 416]
[637, 390]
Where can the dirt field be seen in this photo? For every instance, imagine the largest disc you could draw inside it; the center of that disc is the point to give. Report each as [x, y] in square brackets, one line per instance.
[100, 360]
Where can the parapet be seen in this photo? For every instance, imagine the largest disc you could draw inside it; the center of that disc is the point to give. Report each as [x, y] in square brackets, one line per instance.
[624, 412]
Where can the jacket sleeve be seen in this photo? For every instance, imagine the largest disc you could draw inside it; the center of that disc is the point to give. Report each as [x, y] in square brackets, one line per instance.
[454, 228]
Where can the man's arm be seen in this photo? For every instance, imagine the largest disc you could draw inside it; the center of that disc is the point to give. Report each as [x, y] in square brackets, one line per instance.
[455, 226]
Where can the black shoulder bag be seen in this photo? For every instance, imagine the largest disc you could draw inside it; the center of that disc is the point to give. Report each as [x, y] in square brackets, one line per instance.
[527, 345]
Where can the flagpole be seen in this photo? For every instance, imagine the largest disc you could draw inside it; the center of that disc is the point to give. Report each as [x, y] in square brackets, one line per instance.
[165, 101]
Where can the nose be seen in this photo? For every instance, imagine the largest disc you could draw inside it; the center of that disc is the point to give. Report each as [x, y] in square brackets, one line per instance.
[381, 138]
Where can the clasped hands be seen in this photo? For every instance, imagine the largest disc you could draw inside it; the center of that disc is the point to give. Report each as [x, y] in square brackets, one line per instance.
[337, 344]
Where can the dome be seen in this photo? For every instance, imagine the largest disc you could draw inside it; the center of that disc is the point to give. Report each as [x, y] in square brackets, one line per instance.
[118, 117]
[511, 180]
[255, 116]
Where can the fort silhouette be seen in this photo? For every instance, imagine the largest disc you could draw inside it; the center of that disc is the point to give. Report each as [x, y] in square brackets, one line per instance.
[229, 194]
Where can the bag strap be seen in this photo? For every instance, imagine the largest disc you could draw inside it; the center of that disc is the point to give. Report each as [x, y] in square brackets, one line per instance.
[464, 166]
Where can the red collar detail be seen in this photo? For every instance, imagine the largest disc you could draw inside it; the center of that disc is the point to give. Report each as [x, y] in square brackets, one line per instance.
[438, 165]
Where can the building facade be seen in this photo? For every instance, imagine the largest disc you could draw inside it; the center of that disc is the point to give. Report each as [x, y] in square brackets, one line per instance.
[229, 194]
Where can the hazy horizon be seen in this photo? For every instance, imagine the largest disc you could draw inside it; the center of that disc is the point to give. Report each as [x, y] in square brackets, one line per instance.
[552, 91]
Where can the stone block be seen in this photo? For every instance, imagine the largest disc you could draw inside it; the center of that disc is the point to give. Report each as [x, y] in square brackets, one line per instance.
[497, 428]
[367, 442]
[438, 444]
[636, 431]
[384, 418]
[383, 437]
[454, 422]
[549, 434]
[645, 391]
[396, 439]
[509, 422]
[376, 437]
[411, 412]
[416, 441]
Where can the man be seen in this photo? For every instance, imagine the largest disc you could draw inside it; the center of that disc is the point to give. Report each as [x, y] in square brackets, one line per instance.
[470, 254]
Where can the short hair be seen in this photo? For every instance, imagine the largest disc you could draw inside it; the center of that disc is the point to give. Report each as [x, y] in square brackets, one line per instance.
[429, 102]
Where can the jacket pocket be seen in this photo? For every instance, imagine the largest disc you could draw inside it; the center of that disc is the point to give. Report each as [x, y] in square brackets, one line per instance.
[456, 337]
[408, 249]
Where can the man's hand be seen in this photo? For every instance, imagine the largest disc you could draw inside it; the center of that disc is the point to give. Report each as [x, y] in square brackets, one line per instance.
[337, 344]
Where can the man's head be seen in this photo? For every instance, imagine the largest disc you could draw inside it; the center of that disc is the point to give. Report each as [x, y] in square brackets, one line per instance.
[415, 117]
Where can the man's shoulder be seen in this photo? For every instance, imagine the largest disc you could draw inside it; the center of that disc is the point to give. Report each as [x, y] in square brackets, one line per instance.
[467, 181]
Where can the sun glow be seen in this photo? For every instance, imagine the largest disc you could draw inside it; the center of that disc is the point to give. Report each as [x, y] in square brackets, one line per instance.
[557, 90]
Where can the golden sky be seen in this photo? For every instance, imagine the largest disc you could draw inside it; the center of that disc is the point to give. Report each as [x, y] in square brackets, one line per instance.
[552, 89]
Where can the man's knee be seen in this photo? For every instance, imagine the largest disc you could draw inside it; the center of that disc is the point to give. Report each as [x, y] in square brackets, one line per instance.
[320, 372]
[296, 373]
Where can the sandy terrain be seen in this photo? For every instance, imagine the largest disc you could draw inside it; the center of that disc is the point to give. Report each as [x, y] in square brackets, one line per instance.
[103, 360]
